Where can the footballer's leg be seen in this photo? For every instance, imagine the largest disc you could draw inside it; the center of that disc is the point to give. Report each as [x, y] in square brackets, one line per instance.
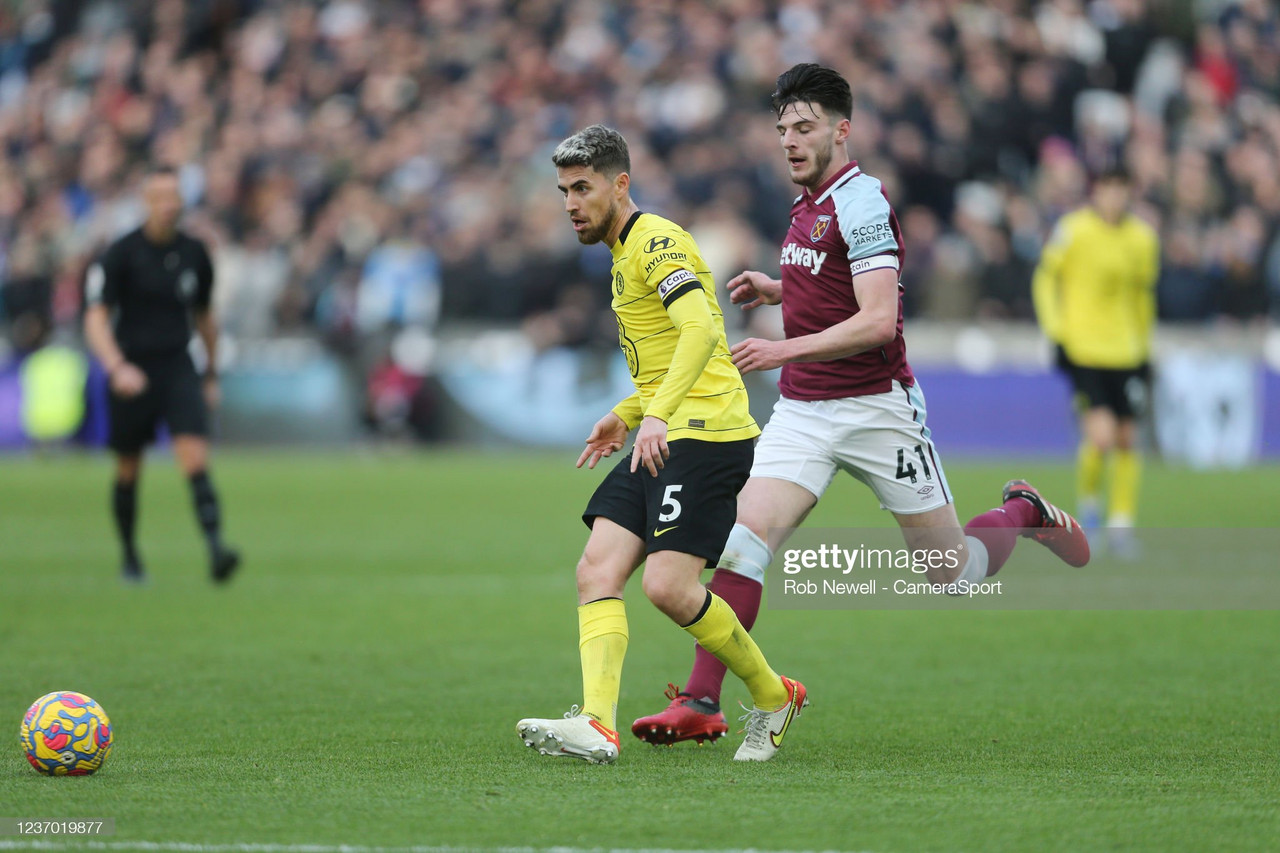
[1122, 498]
[988, 539]
[589, 731]
[938, 531]
[192, 453]
[132, 427]
[709, 476]
[187, 414]
[1047, 524]
[790, 470]
[887, 445]
[1098, 428]
[616, 516]
[124, 509]
[1094, 400]
[671, 583]
[768, 509]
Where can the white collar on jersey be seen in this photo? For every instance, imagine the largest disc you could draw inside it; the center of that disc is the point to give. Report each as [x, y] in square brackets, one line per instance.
[853, 173]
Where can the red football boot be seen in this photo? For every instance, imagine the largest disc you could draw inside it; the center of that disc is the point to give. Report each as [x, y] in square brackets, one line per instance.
[1058, 531]
[686, 718]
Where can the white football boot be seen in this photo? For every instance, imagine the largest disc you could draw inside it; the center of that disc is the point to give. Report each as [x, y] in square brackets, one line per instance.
[575, 735]
[766, 729]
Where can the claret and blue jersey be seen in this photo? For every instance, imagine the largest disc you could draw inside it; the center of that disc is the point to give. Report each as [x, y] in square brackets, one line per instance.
[844, 228]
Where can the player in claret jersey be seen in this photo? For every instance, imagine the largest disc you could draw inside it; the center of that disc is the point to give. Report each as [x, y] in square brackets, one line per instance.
[849, 401]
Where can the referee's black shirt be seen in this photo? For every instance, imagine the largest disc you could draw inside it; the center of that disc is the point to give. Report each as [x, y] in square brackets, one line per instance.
[153, 288]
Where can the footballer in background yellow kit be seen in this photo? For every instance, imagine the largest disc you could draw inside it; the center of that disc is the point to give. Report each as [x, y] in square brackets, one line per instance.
[1094, 295]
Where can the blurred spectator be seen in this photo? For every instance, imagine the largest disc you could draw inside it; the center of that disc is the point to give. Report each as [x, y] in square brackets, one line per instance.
[363, 163]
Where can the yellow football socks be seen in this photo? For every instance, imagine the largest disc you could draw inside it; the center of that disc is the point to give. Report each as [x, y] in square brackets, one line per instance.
[1088, 473]
[602, 645]
[1126, 469]
[719, 632]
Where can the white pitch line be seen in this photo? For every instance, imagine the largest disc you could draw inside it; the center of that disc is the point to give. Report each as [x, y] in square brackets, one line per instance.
[187, 847]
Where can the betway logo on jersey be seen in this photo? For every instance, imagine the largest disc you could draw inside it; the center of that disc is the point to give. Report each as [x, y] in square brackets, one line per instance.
[802, 256]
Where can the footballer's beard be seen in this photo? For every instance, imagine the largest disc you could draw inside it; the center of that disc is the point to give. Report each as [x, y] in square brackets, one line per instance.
[820, 160]
[596, 232]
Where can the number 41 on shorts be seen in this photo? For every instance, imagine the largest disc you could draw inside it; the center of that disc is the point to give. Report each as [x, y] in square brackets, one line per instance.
[908, 469]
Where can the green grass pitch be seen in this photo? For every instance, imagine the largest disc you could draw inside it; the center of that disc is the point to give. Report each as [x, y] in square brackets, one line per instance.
[359, 683]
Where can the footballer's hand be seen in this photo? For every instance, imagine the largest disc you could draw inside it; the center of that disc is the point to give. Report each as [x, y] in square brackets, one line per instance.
[127, 380]
[759, 354]
[608, 435]
[752, 288]
[651, 449]
[212, 392]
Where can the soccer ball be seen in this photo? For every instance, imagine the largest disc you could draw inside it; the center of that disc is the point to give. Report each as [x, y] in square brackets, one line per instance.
[65, 734]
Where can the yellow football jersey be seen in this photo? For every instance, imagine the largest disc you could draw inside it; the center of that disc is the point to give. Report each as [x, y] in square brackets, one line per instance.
[1094, 289]
[656, 265]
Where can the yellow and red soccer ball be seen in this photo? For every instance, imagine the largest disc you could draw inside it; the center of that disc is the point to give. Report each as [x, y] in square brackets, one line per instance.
[66, 734]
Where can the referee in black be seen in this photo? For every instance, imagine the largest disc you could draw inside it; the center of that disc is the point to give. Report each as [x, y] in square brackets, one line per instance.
[141, 298]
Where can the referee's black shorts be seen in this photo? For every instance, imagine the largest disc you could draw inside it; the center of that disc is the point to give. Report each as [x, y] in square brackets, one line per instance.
[173, 395]
[1122, 391]
[689, 507]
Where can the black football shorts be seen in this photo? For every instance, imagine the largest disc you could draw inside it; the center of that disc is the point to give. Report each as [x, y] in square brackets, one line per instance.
[173, 395]
[1123, 391]
[689, 507]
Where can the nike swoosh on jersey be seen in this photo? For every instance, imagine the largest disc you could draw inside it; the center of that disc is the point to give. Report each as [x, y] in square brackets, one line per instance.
[657, 532]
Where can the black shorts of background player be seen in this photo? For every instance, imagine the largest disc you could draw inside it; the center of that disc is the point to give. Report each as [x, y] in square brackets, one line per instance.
[141, 299]
[1123, 391]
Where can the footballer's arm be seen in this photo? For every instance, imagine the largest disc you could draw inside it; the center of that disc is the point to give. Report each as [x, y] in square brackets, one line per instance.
[875, 325]
[698, 337]
[125, 378]
[1045, 281]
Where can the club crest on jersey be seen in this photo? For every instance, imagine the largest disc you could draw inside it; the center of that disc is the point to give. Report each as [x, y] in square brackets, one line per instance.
[187, 285]
[820, 226]
[617, 283]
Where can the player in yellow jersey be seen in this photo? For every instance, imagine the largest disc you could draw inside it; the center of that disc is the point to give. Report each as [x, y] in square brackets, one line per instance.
[672, 503]
[1094, 294]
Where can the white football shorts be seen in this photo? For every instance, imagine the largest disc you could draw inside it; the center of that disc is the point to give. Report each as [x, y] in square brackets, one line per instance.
[879, 438]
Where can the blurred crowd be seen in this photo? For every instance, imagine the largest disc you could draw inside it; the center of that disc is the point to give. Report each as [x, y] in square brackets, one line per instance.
[360, 166]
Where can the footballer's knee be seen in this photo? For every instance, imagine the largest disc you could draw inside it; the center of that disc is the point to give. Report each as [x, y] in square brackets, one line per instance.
[1126, 435]
[675, 592]
[598, 578]
[192, 453]
[128, 467]
[665, 593]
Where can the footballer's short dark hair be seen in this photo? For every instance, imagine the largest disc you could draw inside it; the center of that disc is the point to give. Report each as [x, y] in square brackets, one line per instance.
[1117, 174]
[599, 147]
[808, 83]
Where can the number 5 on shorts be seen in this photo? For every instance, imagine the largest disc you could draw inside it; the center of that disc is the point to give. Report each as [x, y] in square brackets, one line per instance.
[669, 500]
